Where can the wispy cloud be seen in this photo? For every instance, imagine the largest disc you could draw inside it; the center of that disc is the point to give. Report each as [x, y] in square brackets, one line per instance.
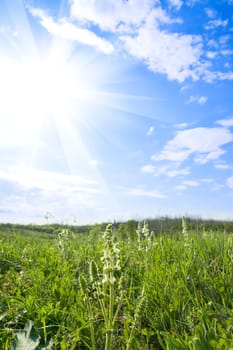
[180, 188]
[184, 87]
[226, 52]
[41, 178]
[149, 169]
[210, 183]
[230, 182]
[167, 170]
[205, 144]
[132, 26]
[215, 23]
[225, 122]
[35, 191]
[222, 166]
[186, 184]
[217, 186]
[191, 183]
[149, 193]
[110, 14]
[192, 3]
[181, 125]
[211, 54]
[67, 30]
[224, 39]
[185, 50]
[176, 4]
[207, 180]
[211, 13]
[200, 100]
[150, 131]
[8, 30]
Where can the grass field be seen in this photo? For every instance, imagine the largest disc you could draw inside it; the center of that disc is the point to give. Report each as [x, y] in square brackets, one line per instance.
[116, 290]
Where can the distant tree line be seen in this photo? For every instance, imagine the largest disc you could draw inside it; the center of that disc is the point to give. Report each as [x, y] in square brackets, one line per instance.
[159, 225]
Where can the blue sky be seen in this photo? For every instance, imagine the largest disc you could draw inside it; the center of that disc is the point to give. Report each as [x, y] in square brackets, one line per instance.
[111, 110]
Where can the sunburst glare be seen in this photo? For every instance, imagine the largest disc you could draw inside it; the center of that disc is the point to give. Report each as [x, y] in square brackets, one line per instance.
[118, 93]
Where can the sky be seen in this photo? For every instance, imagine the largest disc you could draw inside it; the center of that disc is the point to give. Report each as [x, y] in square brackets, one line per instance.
[115, 110]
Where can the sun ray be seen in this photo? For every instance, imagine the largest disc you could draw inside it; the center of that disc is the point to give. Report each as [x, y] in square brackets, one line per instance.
[23, 30]
[76, 90]
[78, 155]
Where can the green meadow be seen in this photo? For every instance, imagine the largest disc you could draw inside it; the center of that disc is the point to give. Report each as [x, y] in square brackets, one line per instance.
[116, 287]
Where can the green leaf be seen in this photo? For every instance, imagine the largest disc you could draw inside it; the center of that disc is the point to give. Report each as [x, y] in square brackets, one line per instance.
[26, 339]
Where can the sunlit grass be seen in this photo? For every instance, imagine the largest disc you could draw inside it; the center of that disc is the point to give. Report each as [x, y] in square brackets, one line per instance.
[136, 292]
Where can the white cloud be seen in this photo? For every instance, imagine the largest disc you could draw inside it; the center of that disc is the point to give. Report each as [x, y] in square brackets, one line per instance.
[211, 54]
[191, 183]
[67, 30]
[224, 76]
[168, 170]
[222, 166]
[181, 125]
[177, 172]
[53, 186]
[191, 3]
[227, 65]
[140, 21]
[169, 153]
[180, 188]
[8, 30]
[184, 87]
[186, 184]
[213, 44]
[140, 192]
[35, 177]
[159, 16]
[201, 100]
[150, 131]
[223, 39]
[207, 180]
[142, 29]
[226, 52]
[149, 169]
[215, 23]
[209, 76]
[173, 54]
[205, 158]
[217, 187]
[225, 122]
[176, 3]
[204, 143]
[230, 182]
[111, 14]
[211, 13]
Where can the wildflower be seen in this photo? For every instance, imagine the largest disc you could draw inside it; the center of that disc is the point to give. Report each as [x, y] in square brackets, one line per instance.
[184, 226]
[144, 236]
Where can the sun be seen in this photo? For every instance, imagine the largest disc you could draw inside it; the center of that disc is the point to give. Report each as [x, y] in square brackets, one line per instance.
[46, 86]
[58, 92]
[49, 86]
[37, 86]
